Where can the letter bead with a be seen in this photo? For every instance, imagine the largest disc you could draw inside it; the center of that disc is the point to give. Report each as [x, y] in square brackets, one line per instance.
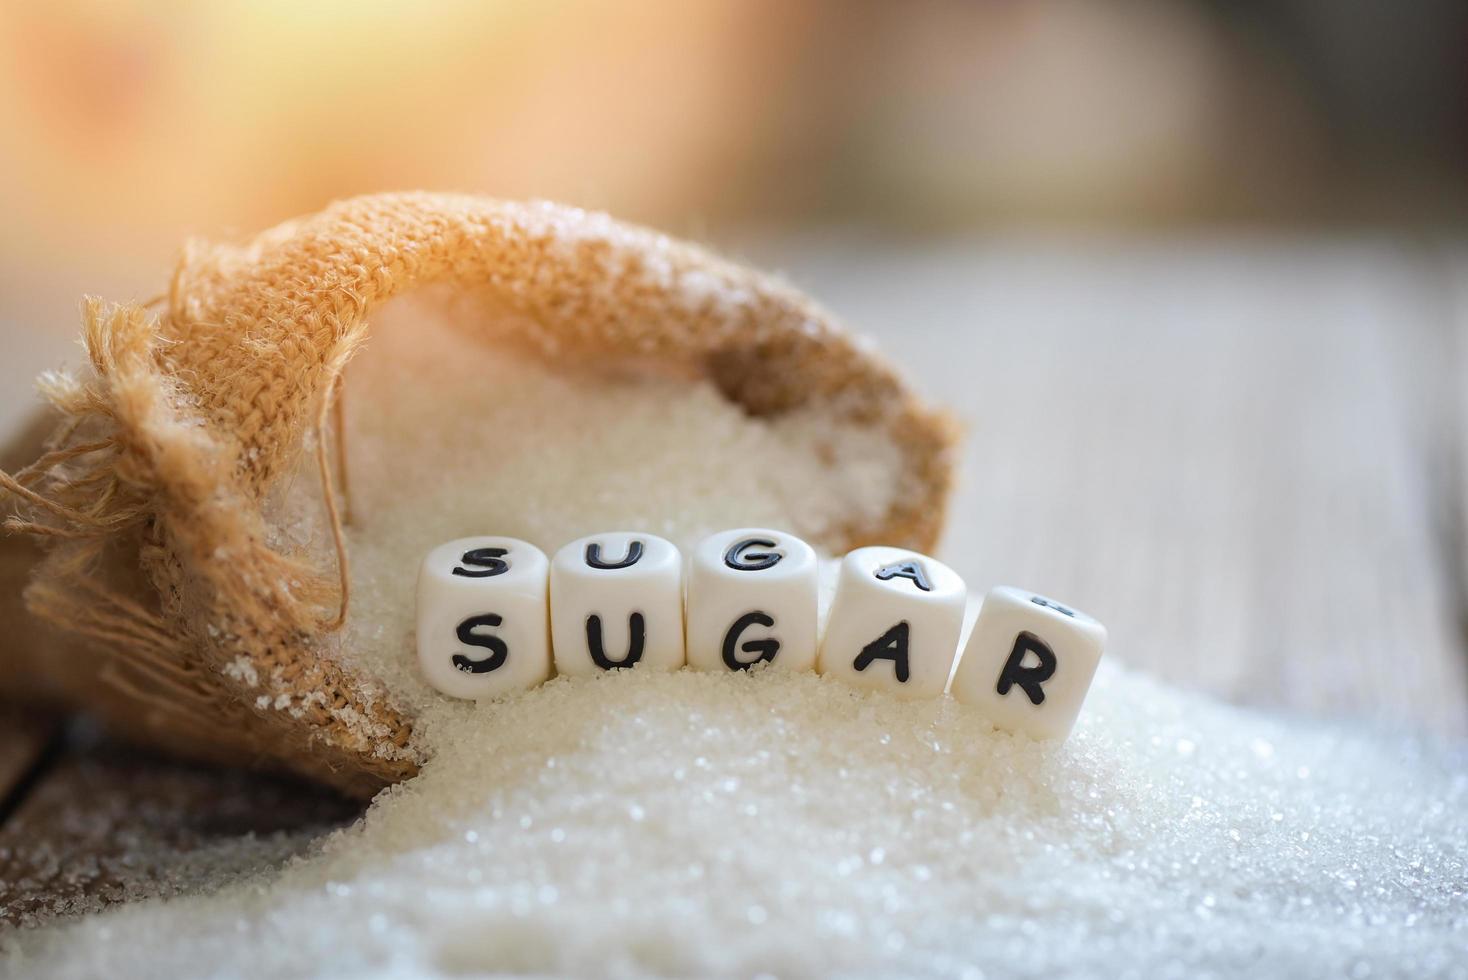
[1029, 663]
[894, 623]
[617, 601]
[753, 597]
[482, 628]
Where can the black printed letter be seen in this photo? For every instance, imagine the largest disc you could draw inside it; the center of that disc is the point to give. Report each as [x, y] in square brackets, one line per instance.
[593, 556]
[496, 647]
[766, 648]
[1028, 678]
[906, 569]
[739, 557]
[1040, 600]
[483, 563]
[891, 645]
[635, 626]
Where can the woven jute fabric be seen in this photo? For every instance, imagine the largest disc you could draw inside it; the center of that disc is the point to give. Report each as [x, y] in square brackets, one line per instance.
[189, 624]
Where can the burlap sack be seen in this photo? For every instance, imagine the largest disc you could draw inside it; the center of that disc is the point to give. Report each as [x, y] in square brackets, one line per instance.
[149, 501]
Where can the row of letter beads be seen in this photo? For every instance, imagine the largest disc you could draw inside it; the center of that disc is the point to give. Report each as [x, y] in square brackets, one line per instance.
[494, 616]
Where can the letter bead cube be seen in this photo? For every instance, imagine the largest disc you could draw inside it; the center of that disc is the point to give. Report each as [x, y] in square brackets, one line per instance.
[617, 601]
[894, 623]
[483, 628]
[1029, 663]
[753, 596]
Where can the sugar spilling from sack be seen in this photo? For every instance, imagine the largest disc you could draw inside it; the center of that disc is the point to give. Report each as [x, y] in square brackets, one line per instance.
[717, 824]
[449, 437]
[709, 824]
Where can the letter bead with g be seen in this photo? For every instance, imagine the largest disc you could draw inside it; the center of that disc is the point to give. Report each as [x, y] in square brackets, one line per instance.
[753, 598]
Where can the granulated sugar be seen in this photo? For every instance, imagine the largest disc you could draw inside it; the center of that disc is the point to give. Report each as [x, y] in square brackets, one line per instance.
[696, 824]
[449, 438]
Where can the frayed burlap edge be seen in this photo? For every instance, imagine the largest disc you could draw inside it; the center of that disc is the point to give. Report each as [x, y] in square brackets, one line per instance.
[165, 456]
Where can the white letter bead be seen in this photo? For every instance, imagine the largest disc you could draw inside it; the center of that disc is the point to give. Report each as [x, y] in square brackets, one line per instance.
[894, 623]
[1029, 663]
[617, 601]
[753, 596]
[482, 617]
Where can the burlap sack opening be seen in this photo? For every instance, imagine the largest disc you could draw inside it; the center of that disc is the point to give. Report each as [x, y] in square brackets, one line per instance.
[161, 565]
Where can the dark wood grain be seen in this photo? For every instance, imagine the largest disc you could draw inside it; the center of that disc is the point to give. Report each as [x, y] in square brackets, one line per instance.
[110, 823]
[27, 742]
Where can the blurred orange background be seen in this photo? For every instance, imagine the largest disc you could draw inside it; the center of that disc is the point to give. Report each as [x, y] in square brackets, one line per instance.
[131, 127]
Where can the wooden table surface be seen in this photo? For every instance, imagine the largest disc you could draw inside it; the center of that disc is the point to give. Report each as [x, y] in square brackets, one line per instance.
[1245, 455]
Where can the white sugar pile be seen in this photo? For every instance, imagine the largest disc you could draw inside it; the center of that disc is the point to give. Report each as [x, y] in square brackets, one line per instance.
[718, 825]
[771, 824]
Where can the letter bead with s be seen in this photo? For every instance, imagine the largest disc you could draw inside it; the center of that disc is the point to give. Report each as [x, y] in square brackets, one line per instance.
[481, 622]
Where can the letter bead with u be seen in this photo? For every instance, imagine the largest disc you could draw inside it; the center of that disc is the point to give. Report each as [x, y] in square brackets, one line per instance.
[617, 602]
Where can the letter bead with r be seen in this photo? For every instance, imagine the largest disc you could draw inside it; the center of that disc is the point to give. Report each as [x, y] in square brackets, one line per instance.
[1029, 662]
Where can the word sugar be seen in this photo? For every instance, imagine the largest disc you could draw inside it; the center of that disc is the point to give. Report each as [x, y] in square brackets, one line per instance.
[496, 616]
